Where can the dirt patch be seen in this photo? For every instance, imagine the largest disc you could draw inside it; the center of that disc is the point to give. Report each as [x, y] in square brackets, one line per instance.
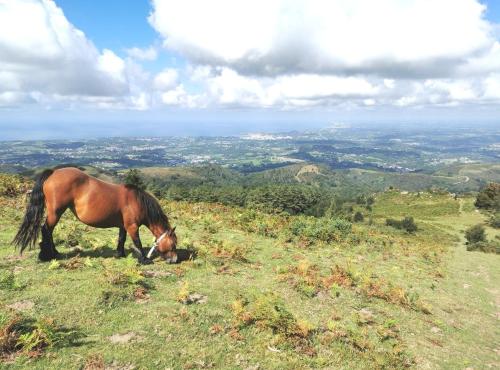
[141, 295]
[155, 274]
[25, 305]
[125, 338]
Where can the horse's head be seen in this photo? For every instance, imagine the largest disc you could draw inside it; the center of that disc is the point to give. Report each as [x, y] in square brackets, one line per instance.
[167, 246]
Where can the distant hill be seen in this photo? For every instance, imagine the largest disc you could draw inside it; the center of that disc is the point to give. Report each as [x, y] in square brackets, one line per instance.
[344, 182]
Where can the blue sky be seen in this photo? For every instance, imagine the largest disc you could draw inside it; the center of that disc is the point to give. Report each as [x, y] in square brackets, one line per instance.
[170, 66]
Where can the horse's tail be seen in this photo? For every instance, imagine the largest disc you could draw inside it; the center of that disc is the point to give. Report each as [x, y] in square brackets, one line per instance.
[28, 232]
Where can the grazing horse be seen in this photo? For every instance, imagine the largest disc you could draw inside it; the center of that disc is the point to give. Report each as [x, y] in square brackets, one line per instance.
[98, 204]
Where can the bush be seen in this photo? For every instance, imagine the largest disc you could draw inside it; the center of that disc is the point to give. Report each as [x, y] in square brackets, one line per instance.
[407, 224]
[12, 185]
[486, 247]
[320, 229]
[489, 197]
[358, 217]
[495, 221]
[133, 177]
[21, 334]
[283, 198]
[475, 234]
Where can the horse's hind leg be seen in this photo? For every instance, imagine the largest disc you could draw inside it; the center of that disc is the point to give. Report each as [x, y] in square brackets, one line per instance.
[120, 249]
[46, 252]
[48, 249]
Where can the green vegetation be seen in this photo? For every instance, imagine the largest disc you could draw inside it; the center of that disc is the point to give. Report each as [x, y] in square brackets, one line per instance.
[495, 220]
[407, 224]
[477, 241]
[475, 234]
[134, 178]
[489, 197]
[258, 288]
[12, 185]
[358, 217]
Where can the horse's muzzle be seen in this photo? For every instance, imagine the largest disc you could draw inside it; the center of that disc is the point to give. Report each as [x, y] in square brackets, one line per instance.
[171, 258]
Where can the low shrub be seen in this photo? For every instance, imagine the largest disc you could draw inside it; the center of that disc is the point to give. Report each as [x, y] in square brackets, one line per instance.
[489, 197]
[485, 246]
[358, 217]
[268, 312]
[320, 229]
[407, 224]
[495, 221]
[13, 185]
[8, 281]
[475, 234]
[20, 334]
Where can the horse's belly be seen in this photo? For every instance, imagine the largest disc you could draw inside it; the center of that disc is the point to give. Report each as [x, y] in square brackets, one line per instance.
[98, 213]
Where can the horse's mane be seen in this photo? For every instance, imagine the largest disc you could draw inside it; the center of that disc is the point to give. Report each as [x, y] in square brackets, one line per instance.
[152, 209]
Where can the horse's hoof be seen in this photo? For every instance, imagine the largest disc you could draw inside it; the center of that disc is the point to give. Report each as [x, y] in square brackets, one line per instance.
[43, 257]
[120, 254]
[145, 261]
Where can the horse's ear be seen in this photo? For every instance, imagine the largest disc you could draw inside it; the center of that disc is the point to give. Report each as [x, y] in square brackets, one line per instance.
[172, 230]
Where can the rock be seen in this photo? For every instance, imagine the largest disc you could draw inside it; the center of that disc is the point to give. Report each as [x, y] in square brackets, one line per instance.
[195, 298]
[366, 316]
[435, 330]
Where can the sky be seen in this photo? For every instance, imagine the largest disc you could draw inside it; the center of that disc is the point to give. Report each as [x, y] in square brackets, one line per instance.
[138, 67]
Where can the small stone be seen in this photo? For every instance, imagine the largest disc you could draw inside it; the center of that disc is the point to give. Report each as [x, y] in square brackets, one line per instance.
[196, 298]
[366, 316]
[435, 330]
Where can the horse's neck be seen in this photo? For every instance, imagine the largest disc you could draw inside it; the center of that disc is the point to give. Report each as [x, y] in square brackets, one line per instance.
[158, 229]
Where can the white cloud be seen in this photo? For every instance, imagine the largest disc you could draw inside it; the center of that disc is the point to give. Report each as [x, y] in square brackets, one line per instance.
[166, 80]
[224, 86]
[40, 51]
[150, 53]
[390, 38]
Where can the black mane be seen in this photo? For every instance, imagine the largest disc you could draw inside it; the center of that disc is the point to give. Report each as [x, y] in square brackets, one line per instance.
[152, 209]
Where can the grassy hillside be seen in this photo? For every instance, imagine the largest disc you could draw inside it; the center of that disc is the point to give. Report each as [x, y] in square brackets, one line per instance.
[257, 291]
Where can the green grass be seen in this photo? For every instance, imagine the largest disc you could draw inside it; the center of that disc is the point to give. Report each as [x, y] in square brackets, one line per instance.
[377, 298]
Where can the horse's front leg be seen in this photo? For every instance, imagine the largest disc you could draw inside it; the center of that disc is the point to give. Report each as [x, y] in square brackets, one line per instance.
[120, 248]
[133, 231]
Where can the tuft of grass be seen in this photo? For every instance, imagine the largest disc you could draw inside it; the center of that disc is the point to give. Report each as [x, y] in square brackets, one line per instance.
[268, 312]
[8, 281]
[183, 293]
[21, 334]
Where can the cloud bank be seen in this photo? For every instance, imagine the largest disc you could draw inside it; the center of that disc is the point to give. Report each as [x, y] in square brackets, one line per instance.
[280, 54]
[42, 53]
[332, 52]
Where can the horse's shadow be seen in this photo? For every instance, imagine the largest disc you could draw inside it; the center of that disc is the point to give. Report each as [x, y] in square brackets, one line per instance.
[102, 252]
[185, 255]
[108, 252]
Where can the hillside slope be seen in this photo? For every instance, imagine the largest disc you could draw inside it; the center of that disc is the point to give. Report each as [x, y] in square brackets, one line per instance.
[262, 295]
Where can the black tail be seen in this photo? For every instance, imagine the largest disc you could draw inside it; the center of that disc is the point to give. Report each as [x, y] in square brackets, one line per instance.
[27, 234]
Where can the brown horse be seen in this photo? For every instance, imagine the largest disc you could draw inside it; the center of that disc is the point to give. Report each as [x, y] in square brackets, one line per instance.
[98, 204]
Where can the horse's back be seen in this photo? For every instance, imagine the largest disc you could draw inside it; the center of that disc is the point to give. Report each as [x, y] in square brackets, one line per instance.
[93, 201]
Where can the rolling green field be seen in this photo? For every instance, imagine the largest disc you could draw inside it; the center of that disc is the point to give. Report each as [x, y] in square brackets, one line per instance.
[253, 294]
